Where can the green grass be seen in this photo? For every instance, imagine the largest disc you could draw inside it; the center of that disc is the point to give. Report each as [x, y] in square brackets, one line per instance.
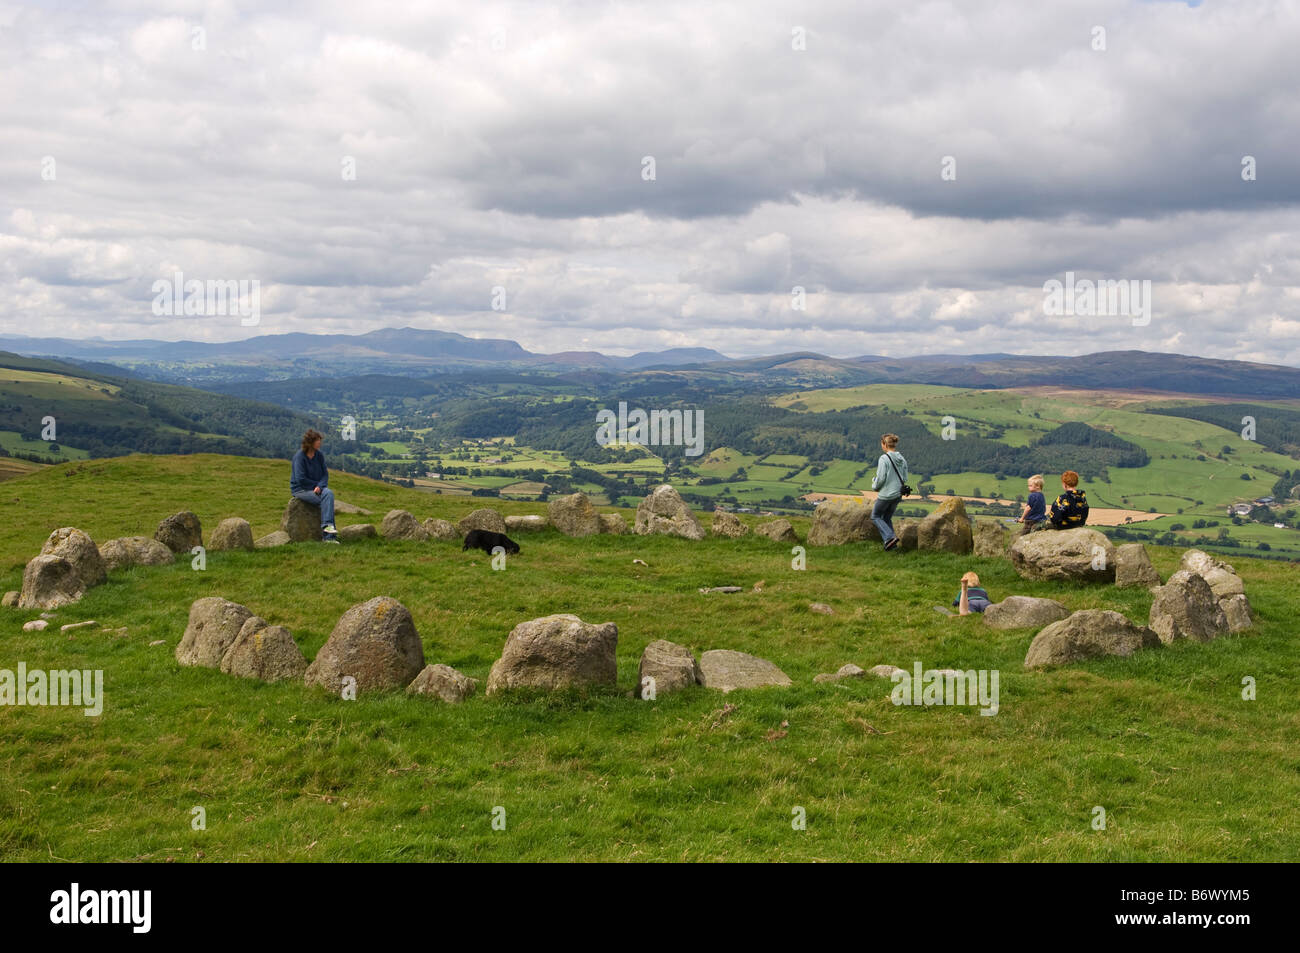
[1185, 768]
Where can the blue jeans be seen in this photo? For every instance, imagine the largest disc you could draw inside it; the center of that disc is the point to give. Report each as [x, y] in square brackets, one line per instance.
[882, 514]
[325, 501]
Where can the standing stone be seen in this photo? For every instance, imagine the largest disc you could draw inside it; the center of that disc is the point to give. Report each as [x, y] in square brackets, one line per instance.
[374, 642]
[1024, 612]
[214, 625]
[726, 671]
[440, 529]
[665, 513]
[1079, 555]
[836, 522]
[131, 551]
[399, 524]
[356, 532]
[266, 652]
[80, 550]
[270, 540]
[778, 530]
[673, 668]
[1185, 608]
[947, 529]
[444, 682]
[50, 582]
[487, 519]
[232, 533]
[573, 515]
[991, 539]
[556, 652]
[1133, 567]
[1237, 611]
[525, 524]
[301, 521]
[728, 524]
[908, 531]
[613, 524]
[1088, 634]
[180, 533]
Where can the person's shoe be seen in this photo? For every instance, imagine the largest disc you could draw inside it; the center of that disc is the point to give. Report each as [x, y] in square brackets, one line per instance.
[330, 538]
[329, 530]
[892, 544]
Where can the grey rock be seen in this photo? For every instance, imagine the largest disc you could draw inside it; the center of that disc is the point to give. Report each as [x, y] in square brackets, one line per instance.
[727, 671]
[36, 625]
[131, 551]
[665, 513]
[1024, 612]
[778, 530]
[231, 533]
[1236, 609]
[374, 642]
[399, 524]
[486, 519]
[213, 627]
[1088, 634]
[836, 522]
[263, 651]
[11, 598]
[278, 538]
[1080, 555]
[845, 671]
[613, 524]
[80, 550]
[673, 668]
[443, 682]
[573, 515]
[946, 529]
[991, 539]
[821, 608]
[50, 582]
[180, 532]
[301, 521]
[556, 652]
[525, 524]
[443, 530]
[1133, 567]
[728, 525]
[1185, 608]
[357, 532]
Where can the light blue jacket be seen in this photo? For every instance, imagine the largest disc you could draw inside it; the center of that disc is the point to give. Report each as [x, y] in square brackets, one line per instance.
[886, 482]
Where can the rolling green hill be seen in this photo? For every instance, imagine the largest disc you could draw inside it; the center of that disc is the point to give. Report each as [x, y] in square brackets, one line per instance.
[1185, 769]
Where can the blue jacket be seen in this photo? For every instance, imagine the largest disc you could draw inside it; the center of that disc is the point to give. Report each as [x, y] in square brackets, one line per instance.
[308, 474]
[886, 482]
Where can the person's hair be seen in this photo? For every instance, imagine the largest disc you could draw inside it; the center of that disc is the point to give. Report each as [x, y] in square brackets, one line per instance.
[1070, 479]
[1036, 480]
[309, 439]
[890, 440]
[972, 577]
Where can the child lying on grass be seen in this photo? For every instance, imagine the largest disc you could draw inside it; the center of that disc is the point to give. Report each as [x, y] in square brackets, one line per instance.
[972, 597]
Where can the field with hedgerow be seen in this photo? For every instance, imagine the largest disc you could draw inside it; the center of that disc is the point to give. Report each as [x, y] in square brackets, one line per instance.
[1184, 766]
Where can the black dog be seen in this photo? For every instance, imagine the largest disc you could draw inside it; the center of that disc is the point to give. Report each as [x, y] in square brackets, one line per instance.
[487, 541]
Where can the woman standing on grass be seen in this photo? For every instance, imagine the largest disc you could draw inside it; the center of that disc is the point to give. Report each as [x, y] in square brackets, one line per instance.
[891, 474]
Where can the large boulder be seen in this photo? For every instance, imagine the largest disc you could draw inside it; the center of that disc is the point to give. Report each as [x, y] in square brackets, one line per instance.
[672, 666]
[232, 533]
[613, 524]
[525, 524]
[946, 529]
[301, 521]
[262, 651]
[439, 529]
[991, 539]
[399, 524]
[1223, 579]
[128, 551]
[50, 582]
[487, 519]
[180, 532]
[374, 642]
[1185, 608]
[1237, 611]
[665, 513]
[1079, 555]
[728, 524]
[778, 530]
[1088, 634]
[1133, 567]
[443, 682]
[573, 515]
[556, 652]
[726, 671]
[1024, 612]
[215, 624]
[836, 522]
[80, 551]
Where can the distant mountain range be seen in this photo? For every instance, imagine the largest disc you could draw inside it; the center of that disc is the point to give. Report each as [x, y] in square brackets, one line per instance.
[413, 352]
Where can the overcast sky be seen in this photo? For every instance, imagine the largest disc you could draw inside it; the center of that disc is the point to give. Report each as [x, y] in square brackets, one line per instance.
[504, 145]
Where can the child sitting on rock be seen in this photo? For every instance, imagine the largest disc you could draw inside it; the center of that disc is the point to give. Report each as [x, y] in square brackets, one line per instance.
[1070, 510]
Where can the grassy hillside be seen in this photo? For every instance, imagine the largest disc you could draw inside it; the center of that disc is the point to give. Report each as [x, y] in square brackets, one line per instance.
[1185, 768]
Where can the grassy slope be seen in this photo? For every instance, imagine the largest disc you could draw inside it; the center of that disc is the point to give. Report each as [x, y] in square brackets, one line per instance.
[1183, 766]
